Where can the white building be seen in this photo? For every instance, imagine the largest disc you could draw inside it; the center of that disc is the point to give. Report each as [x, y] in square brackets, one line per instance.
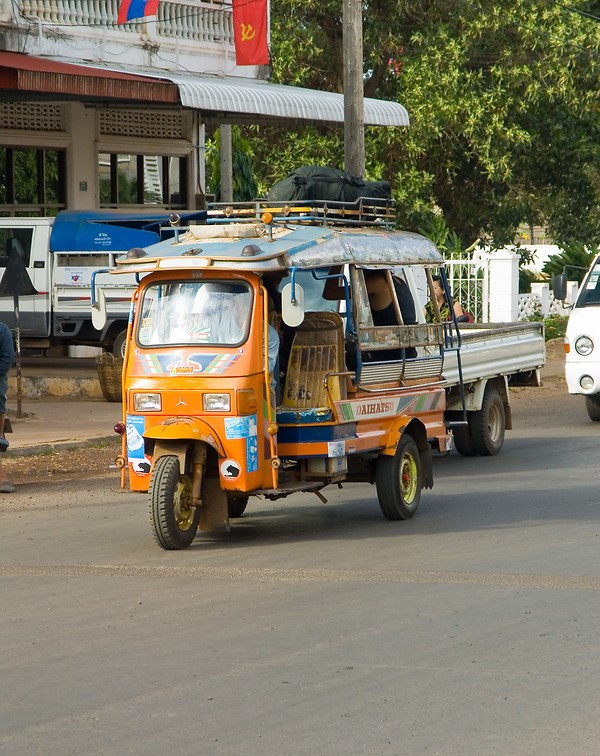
[99, 115]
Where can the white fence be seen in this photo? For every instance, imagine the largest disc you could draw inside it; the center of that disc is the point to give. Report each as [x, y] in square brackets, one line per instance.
[487, 285]
[542, 303]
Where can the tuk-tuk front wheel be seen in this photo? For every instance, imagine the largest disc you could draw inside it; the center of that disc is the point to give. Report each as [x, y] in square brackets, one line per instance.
[174, 519]
[398, 480]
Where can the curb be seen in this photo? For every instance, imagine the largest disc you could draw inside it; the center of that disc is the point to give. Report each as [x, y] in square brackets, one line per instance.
[59, 387]
[58, 446]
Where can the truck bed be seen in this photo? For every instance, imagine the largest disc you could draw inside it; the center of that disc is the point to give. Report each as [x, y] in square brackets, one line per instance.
[493, 349]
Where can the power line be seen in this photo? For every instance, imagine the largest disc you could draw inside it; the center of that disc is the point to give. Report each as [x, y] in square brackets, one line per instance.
[579, 12]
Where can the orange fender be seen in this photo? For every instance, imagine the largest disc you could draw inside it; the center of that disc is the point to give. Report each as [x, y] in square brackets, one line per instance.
[184, 429]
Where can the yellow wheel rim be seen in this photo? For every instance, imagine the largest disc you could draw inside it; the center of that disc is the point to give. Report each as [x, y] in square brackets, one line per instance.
[182, 503]
[408, 477]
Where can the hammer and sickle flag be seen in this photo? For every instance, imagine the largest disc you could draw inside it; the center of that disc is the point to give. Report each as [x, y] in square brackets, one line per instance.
[250, 32]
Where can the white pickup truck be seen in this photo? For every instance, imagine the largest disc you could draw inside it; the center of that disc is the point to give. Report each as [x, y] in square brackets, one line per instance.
[582, 343]
[493, 356]
[60, 254]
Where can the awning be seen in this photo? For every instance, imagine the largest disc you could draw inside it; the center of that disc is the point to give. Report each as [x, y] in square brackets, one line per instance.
[219, 99]
[262, 99]
[29, 75]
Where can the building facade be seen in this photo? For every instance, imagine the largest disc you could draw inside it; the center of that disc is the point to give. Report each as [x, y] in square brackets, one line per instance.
[99, 115]
[77, 129]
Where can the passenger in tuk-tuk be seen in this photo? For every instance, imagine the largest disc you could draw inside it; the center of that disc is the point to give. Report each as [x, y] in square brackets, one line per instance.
[383, 310]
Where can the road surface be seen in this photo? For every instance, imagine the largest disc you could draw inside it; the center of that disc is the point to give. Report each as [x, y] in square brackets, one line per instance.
[317, 629]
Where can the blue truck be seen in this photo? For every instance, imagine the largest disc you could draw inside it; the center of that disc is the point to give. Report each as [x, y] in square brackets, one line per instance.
[59, 255]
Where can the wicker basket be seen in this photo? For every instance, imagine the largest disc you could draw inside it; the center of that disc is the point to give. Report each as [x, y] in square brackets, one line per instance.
[110, 370]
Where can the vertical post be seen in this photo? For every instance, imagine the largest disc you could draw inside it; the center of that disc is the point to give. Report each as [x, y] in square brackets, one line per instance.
[18, 356]
[226, 163]
[504, 286]
[354, 131]
[542, 292]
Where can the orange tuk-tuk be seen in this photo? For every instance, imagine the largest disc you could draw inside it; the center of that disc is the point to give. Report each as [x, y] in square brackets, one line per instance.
[274, 350]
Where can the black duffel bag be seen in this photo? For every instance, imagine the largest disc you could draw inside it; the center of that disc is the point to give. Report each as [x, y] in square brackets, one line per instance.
[315, 182]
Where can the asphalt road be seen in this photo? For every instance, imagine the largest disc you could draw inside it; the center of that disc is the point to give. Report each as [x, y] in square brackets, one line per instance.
[317, 629]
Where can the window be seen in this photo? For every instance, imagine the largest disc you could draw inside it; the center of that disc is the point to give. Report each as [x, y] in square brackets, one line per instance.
[195, 314]
[158, 180]
[32, 181]
[16, 239]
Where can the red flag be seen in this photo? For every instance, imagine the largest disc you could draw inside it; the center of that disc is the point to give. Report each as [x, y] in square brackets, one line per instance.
[130, 9]
[250, 32]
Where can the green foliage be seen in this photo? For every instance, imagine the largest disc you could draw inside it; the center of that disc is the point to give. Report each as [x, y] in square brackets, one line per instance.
[502, 98]
[574, 260]
[526, 278]
[555, 326]
[245, 187]
[446, 240]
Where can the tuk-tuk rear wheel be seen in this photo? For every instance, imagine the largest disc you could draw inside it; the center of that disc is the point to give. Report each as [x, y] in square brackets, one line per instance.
[236, 506]
[174, 520]
[398, 480]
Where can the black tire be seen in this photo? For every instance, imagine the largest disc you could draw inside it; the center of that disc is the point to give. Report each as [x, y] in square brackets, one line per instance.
[174, 520]
[118, 348]
[398, 480]
[592, 405]
[487, 425]
[237, 506]
[463, 441]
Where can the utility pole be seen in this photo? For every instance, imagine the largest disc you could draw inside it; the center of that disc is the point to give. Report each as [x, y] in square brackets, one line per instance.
[354, 115]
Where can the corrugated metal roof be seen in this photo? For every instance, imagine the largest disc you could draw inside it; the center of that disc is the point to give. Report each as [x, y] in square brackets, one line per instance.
[265, 99]
[223, 97]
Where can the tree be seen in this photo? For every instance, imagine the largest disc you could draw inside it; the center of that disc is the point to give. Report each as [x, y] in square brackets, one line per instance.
[244, 182]
[502, 97]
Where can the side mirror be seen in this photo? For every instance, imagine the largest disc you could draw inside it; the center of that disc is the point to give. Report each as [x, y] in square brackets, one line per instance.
[98, 302]
[559, 286]
[292, 304]
[99, 310]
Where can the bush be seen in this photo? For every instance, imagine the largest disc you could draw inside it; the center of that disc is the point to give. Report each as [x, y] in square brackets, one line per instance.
[555, 326]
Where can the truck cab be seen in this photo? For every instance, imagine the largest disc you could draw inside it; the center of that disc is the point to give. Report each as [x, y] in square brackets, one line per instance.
[59, 256]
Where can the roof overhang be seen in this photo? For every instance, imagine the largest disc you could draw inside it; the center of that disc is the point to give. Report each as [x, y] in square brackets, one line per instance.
[26, 75]
[220, 99]
[231, 97]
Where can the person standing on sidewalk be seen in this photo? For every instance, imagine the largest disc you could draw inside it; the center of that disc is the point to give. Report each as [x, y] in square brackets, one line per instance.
[7, 357]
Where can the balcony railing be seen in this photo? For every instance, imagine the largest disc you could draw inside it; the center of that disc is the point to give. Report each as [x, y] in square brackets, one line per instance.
[206, 21]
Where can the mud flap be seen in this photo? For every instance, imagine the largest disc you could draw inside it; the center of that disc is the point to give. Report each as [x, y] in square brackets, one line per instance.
[214, 512]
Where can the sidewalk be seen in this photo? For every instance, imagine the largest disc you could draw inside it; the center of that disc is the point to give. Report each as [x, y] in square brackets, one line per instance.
[64, 411]
[61, 405]
[50, 424]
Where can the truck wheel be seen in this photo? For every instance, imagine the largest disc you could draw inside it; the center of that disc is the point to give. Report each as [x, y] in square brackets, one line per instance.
[463, 441]
[237, 505]
[592, 405]
[398, 480]
[487, 424]
[174, 520]
[118, 348]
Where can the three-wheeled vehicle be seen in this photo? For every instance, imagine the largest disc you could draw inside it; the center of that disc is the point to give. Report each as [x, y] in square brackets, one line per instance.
[276, 349]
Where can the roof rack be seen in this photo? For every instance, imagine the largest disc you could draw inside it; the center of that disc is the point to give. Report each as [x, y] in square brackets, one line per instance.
[365, 211]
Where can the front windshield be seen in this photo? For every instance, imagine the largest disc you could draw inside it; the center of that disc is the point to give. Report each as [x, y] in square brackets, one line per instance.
[195, 313]
[590, 294]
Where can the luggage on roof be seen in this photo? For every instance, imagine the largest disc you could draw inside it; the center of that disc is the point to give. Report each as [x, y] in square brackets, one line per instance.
[314, 182]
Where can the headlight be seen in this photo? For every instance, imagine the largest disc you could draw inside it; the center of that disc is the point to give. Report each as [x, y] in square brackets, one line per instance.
[584, 345]
[216, 402]
[146, 402]
[586, 382]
